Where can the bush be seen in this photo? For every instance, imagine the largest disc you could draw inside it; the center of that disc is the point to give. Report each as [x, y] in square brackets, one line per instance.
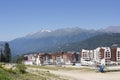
[21, 68]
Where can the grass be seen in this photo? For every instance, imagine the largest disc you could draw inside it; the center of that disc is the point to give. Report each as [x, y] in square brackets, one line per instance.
[7, 74]
[3, 75]
[46, 74]
[61, 68]
[45, 67]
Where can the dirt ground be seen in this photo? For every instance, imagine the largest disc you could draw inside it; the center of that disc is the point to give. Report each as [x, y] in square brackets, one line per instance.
[88, 75]
[84, 75]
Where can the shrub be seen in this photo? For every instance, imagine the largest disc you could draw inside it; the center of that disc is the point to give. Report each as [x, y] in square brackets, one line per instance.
[21, 68]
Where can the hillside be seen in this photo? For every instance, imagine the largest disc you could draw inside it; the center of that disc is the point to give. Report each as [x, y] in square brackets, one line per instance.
[107, 39]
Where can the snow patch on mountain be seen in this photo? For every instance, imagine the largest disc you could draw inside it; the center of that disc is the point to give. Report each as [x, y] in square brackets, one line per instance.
[46, 31]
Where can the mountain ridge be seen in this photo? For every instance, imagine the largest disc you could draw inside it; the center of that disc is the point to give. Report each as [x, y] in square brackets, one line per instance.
[102, 40]
[44, 40]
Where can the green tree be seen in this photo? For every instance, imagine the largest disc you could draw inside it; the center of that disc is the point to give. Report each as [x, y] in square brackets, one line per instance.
[1, 57]
[7, 53]
[20, 59]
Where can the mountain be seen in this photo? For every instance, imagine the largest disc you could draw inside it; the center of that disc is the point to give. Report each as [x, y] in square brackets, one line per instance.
[102, 40]
[46, 39]
[113, 29]
[58, 32]
[2, 44]
[62, 39]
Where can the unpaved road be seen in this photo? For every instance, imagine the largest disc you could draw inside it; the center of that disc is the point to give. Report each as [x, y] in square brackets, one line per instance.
[83, 75]
[88, 75]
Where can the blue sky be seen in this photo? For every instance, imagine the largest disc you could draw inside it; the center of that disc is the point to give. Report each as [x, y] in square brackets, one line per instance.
[20, 17]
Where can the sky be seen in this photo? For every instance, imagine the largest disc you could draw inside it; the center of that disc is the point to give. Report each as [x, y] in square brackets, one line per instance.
[21, 17]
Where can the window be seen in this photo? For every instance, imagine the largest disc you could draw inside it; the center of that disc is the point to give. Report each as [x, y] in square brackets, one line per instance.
[84, 54]
[107, 54]
[118, 55]
[58, 58]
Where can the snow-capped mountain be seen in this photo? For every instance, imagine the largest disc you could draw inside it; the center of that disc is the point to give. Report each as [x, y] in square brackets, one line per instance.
[58, 32]
[43, 40]
[41, 33]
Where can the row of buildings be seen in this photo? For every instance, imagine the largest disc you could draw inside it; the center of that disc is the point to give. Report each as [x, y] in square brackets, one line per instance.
[99, 56]
[58, 58]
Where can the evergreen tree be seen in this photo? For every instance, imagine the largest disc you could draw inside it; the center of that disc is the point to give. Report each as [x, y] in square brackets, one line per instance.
[7, 53]
[2, 57]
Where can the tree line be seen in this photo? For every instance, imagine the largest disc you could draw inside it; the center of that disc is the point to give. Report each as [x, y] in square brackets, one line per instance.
[5, 53]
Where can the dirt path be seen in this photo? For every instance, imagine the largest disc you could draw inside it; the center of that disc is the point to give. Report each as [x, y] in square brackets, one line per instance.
[83, 75]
